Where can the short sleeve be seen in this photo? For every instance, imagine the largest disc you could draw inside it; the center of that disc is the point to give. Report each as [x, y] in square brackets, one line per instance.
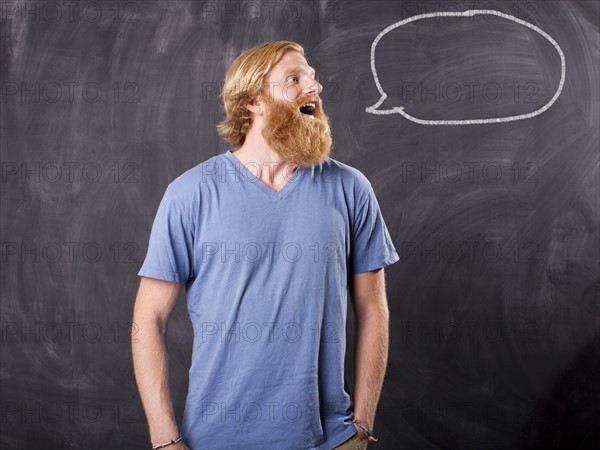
[170, 249]
[371, 245]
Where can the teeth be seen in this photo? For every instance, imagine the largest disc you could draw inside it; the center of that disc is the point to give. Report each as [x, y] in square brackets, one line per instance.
[308, 105]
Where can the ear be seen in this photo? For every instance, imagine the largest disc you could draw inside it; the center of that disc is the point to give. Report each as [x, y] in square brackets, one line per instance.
[255, 106]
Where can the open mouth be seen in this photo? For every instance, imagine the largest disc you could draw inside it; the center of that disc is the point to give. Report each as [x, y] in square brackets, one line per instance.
[308, 109]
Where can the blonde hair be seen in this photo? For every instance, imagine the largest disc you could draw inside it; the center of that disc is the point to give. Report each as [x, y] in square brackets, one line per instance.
[244, 83]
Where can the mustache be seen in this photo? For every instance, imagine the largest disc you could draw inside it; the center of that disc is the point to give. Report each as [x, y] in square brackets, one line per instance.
[318, 114]
[313, 99]
[294, 105]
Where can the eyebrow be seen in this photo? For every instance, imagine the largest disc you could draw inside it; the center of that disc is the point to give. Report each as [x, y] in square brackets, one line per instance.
[300, 69]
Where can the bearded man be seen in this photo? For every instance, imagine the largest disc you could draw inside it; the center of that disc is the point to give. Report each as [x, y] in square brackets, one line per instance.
[270, 241]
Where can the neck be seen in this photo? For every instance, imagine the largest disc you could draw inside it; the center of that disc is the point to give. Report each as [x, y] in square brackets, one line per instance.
[263, 161]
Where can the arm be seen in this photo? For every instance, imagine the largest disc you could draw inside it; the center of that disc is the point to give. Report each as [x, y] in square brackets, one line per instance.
[154, 305]
[367, 291]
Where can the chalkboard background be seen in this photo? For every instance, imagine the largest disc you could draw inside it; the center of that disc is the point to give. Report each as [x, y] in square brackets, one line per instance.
[495, 312]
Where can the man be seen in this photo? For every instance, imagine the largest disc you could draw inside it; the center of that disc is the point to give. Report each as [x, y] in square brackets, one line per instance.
[268, 240]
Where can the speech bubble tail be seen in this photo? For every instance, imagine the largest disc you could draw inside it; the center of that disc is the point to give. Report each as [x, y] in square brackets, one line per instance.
[373, 110]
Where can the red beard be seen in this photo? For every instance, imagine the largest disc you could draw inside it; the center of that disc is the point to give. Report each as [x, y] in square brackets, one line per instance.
[298, 138]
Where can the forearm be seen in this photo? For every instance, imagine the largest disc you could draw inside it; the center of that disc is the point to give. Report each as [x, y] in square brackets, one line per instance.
[371, 354]
[152, 376]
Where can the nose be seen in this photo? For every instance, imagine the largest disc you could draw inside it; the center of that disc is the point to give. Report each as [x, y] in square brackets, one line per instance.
[313, 87]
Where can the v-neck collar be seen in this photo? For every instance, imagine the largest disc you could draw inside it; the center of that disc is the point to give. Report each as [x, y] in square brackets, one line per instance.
[249, 177]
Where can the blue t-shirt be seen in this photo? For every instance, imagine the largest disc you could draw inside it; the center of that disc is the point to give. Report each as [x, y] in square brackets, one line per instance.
[266, 276]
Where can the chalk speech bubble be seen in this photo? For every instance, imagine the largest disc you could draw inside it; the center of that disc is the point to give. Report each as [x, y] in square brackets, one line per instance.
[400, 110]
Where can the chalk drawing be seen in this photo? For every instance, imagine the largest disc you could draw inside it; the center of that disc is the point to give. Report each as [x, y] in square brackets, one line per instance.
[400, 110]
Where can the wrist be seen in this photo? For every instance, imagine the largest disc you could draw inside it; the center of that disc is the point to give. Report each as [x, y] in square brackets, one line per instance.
[167, 443]
[163, 432]
[363, 421]
[364, 431]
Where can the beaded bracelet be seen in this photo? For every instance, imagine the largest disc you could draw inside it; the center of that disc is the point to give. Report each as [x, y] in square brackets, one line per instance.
[174, 441]
[365, 430]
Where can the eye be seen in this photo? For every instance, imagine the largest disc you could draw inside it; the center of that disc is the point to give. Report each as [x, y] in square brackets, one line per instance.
[294, 78]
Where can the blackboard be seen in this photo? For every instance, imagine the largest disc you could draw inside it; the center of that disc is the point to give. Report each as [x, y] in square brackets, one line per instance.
[494, 335]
